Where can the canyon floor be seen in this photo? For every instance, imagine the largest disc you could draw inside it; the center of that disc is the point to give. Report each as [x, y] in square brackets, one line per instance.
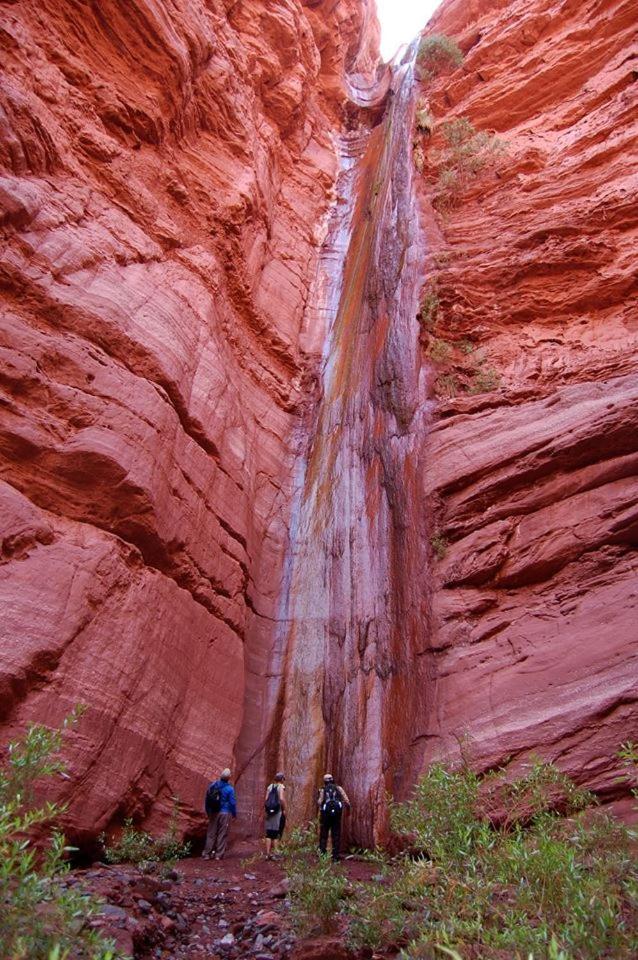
[204, 910]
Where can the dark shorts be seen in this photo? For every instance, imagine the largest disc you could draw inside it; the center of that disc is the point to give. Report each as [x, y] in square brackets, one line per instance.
[277, 834]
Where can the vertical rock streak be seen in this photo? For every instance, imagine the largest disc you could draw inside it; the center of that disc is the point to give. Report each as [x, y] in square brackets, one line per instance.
[352, 620]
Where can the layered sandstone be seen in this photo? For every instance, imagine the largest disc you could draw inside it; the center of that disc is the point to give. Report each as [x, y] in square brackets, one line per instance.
[225, 463]
[532, 478]
[166, 172]
[520, 637]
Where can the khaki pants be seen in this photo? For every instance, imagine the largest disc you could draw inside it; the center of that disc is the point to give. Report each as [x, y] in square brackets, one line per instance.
[217, 834]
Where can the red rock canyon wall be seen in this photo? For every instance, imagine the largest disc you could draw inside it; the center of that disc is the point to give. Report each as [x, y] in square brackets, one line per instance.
[224, 455]
[534, 643]
[166, 173]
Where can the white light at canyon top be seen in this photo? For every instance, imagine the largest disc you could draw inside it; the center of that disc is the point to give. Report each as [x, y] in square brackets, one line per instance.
[401, 20]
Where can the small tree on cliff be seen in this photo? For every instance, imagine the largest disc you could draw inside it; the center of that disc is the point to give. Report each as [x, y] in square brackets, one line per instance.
[467, 153]
[40, 917]
[438, 54]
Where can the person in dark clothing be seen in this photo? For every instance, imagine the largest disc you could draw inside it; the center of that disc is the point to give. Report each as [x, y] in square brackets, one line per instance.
[275, 814]
[221, 806]
[331, 801]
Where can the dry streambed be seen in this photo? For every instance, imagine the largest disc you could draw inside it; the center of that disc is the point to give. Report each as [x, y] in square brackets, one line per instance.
[204, 910]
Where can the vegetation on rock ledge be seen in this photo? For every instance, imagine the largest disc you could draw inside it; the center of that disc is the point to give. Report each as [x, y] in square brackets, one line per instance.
[437, 54]
[467, 152]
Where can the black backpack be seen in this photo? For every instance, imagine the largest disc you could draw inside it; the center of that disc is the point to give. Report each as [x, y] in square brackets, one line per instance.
[272, 800]
[213, 798]
[332, 804]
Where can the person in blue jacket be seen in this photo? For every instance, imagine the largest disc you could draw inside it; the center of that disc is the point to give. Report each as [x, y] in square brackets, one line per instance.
[221, 805]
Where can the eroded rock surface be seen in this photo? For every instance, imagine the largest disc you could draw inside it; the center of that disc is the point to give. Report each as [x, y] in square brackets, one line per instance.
[166, 173]
[533, 483]
[168, 178]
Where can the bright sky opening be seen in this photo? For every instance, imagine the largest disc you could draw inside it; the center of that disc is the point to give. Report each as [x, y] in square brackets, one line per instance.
[401, 20]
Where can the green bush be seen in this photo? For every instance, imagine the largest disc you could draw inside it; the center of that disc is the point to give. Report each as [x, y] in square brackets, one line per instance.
[485, 380]
[316, 894]
[390, 913]
[317, 886]
[430, 303]
[437, 54]
[423, 117]
[495, 867]
[514, 875]
[467, 152]
[447, 385]
[40, 918]
[628, 755]
[439, 350]
[138, 846]
[439, 545]
[422, 950]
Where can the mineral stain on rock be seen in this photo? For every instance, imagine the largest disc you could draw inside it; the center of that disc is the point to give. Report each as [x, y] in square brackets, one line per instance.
[224, 456]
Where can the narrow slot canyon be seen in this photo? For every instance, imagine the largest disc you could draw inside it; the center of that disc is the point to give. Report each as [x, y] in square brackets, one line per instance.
[317, 453]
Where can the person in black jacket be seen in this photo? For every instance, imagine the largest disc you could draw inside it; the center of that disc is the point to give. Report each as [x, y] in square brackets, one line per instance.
[331, 801]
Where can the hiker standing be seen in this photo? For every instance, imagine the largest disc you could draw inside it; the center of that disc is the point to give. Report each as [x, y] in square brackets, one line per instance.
[275, 813]
[221, 805]
[331, 800]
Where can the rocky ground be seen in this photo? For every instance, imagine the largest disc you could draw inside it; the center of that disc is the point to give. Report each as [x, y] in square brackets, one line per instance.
[202, 910]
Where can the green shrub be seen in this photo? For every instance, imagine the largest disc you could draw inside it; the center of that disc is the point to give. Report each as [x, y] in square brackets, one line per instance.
[390, 914]
[422, 950]
[40, 918]
[439, 545]
[513, 876]
[138, 846]
[299, 844]
[544, 787]
[429, 308]
[439, 350]
[495, 867]
[317, 886]
[437, 54]
[467, 152]
[423, 117]
[316, 894]
[485, 380]
[628, 755]
[447, 385]
[445, 831]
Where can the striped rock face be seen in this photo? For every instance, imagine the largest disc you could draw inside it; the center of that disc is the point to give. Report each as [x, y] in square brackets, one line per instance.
[254, 513]
[166, 174]
[531, 475]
